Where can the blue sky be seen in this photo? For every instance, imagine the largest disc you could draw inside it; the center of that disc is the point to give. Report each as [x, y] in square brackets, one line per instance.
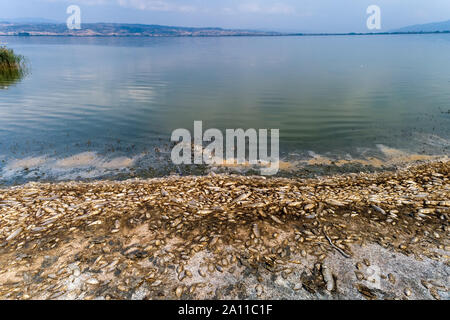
[277, 15]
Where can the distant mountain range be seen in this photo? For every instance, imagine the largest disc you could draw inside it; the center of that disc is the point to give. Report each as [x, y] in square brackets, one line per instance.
[43, 27]
[429, 27]
[8, 28]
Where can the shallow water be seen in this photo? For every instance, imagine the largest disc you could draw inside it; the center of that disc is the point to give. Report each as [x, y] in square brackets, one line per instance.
[95, 107]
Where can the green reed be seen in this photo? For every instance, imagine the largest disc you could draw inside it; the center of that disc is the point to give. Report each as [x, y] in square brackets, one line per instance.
[12, 66]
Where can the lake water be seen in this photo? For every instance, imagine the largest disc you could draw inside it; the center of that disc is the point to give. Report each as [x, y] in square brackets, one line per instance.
[105, 107]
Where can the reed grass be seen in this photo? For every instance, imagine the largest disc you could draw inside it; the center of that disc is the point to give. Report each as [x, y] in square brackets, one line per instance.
[12, 66]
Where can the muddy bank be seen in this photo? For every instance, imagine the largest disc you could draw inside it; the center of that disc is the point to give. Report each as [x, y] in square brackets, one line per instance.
[357, 236]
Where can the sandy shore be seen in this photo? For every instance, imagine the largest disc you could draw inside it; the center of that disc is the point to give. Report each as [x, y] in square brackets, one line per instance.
[357, 236]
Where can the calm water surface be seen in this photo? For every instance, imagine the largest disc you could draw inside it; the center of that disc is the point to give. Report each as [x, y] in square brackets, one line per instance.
[99, 106]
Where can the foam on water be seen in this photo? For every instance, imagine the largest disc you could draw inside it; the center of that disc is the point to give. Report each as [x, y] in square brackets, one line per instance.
[388, 157]
[84, 165]
[92, 165]
[85, 159]
[29, 162]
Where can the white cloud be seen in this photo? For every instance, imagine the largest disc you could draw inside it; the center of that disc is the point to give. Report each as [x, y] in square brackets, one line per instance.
[170, 5]
[277, 8]
[151, 5]
[156, 5]
[86, 2]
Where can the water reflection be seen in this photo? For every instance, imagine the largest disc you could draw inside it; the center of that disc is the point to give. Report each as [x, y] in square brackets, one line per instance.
[112, 104]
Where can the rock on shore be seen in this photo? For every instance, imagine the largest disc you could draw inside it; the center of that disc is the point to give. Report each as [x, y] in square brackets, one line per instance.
[357, 236]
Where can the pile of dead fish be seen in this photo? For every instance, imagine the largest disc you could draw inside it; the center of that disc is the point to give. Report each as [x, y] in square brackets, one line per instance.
[110, 236]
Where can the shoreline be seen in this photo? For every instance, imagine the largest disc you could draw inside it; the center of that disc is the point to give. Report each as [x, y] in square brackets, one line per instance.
[89, 167]
[230, 237]
[258, 34]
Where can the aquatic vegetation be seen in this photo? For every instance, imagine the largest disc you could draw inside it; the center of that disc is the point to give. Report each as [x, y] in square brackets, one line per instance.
[12, 66]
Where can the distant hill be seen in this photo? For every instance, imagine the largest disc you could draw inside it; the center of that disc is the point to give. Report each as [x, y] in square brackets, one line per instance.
[117, 29]
[429, 27]
[42, 27]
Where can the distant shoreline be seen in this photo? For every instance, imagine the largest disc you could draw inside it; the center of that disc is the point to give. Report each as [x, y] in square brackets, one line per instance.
[111, 29]
[224, 36]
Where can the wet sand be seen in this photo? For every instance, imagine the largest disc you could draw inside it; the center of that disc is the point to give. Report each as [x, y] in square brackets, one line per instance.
[357, 236]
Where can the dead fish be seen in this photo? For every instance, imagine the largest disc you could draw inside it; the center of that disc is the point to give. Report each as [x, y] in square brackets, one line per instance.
[294, 204]
[335, 203]
[256, 230]
[378, 209]
[242, 197]
[391, 278]
[275, 219]
[205, 211]
[179, 292]
[434, 293]
[92, 281]
[366, 292]
[213, 241]
[259, 290]
[328, 278]
[407, 292]
[156, 283]
[219, 268]
[14, 234]
[426, 211]
[359, 275]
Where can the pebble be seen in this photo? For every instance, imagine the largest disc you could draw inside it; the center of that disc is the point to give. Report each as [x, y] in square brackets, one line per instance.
[407, 292]
[359, 275]
[391, 278]
[259, 290]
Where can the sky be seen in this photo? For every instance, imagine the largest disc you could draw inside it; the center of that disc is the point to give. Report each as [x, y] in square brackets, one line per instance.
[271, 15]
